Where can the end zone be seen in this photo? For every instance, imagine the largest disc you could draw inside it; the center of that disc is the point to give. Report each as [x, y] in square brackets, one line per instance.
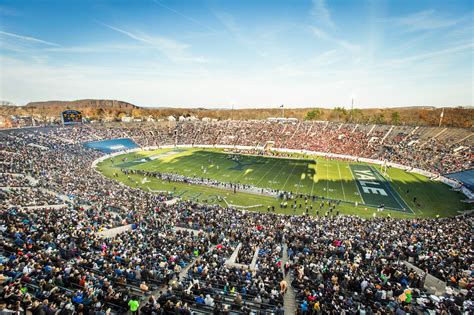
[375, 190]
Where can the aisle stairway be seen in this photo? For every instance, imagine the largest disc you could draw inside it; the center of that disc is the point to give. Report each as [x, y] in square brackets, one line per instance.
[289, 301]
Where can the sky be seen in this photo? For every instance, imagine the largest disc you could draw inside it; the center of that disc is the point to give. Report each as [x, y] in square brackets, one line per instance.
[241, 53]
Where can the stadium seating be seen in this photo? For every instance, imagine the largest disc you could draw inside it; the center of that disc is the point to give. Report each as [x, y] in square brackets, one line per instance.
[55, 206]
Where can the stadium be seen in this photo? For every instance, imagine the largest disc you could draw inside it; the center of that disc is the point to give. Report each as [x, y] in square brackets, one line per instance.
[170, 157]
[237, 217]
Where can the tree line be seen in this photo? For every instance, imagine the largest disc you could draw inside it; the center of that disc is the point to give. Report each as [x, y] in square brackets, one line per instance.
[422, 116]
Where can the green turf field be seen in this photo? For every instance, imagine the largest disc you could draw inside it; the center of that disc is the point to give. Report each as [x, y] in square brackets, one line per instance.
[361, 187]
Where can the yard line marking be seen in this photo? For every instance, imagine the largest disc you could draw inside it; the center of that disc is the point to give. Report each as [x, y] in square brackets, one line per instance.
[357, 186]
[273, 179]
[327, 180]
[242, 172]
[216, 160]
[197, 160]
[299, 183]
[193, 161]
[340, 177]
[266, 173]
[392, 191]
[283, 188]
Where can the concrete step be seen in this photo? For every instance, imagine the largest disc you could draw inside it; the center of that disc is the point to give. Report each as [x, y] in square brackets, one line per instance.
[289, 301]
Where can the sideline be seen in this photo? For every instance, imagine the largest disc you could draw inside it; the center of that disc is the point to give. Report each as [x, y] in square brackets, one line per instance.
[435, 177]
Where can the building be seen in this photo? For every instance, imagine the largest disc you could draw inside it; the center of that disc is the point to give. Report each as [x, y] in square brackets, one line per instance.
[283, 119]
[5, 122]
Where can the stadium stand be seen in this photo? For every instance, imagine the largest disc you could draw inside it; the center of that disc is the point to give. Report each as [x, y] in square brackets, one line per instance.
[174, 259]
[112, 145]
[465, 177]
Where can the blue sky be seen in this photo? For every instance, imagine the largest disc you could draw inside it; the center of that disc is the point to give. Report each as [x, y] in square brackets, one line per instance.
[246, 53]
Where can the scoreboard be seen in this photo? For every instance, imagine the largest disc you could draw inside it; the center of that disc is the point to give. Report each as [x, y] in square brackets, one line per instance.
[69, 117]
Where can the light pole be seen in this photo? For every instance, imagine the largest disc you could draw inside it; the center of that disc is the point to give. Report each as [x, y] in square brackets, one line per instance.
[441, 117]
[352, 108]
[282, 111]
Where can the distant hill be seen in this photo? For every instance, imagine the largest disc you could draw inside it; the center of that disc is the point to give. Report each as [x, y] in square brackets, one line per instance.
[110, 110]
[82, 104]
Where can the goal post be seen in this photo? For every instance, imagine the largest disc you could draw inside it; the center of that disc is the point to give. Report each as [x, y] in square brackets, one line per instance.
[383, 168]
[268, 145]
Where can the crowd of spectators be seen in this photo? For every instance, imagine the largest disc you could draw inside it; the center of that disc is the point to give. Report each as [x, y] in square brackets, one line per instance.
[406, 146]
[201, 180]
[345, 264]
[174, 258]
[440, 156]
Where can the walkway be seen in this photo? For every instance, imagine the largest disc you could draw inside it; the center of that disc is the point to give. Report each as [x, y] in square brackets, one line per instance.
[113, 232]
[289, 301]
[432, 284]
[49, 207]
[182, 274]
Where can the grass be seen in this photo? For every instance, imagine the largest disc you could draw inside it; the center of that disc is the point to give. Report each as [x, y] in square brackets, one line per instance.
[332, 179]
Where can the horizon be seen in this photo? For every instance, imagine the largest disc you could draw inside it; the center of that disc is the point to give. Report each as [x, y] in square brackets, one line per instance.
[250, 55]
[197, 107]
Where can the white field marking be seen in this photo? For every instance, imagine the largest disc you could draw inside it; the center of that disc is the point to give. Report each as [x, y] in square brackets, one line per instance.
[392, 191]
[414, 210]
[327, 181]
[278, 174]
[283, 188]
[340, 177]
[266, 173]
[315, 174]
[194, 161]
[244, 172]
[355, 183]
[377, 175]
[197, 161]
[303, 175]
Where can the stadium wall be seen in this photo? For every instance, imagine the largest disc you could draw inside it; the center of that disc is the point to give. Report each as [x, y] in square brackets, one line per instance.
[450, 182]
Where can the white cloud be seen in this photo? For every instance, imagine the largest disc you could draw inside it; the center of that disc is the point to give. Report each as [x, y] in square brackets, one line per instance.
[423, 21]
[321, 12]
[197, 22]
[316, 67]
[92, 48]
[231, 25]
[172, 49]
[261, 43]
[147, 84]
[462, 47]
[161, 86]
[28, 39]
[340, 42]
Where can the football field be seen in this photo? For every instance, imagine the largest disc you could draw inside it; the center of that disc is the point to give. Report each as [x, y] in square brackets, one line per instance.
[360, 187]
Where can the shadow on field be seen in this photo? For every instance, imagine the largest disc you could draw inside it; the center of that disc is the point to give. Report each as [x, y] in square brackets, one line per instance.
[420, 195]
